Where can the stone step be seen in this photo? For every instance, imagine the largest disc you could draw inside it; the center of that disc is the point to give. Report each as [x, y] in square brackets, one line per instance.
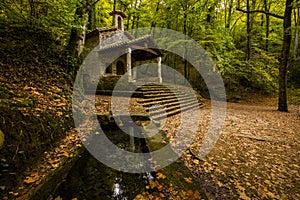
[173, 100]
[174, 107]
[155, 98]
[174, 112]
[157, 92]
[167, 103]
[144, 89]
[162, 94]
[163, 101]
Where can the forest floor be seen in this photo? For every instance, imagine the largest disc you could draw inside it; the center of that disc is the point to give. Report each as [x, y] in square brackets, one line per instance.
[256, 157]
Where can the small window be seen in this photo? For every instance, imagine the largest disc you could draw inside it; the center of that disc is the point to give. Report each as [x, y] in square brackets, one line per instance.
[119, 23]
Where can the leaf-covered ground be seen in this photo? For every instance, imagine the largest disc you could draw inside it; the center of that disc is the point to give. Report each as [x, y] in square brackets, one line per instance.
[35, 102]
[256, 157]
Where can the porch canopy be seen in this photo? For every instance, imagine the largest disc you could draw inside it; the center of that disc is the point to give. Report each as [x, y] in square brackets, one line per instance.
[139, 49]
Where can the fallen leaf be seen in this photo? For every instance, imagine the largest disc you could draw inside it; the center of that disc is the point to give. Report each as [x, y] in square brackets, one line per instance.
[271, 195]
[243, 196]
[14, 193]
[29, 180]
[267, 182]
[160, 176]
[188, 180]
[196, 162]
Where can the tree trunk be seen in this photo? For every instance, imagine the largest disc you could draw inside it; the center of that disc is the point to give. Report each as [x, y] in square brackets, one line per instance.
[228, 21]
[248, 31]
[267, 9]
[74, 36]
[77, 37]
[297, 23]
[32, 9]
[92, 22]
[185, 48]
[82, 35]
[287, 38]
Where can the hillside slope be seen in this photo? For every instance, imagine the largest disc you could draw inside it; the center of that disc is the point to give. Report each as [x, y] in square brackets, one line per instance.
[35, 99]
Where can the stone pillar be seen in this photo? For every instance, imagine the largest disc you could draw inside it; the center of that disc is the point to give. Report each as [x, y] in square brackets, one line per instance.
[128, 64]
[159, 69]
[114, 68]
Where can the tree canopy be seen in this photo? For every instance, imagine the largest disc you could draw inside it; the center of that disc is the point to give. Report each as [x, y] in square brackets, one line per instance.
[246, 38]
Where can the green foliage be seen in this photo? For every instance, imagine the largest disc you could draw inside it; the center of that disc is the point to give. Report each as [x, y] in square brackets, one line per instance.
[294, 74]
[215, 25]
[55, 16]
[4, 92]
[294, 96]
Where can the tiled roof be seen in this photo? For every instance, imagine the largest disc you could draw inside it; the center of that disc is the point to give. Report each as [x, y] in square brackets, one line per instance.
[106, 29]
[115, 45]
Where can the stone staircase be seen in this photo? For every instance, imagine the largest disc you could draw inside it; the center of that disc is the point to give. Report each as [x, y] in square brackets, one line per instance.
[162, 101]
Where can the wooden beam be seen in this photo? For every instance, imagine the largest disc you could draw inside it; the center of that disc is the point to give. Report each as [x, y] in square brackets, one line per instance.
[144, 49]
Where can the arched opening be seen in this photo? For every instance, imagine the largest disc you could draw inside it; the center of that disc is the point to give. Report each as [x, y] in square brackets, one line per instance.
[119, 23]
[120, 68]
[108, 69]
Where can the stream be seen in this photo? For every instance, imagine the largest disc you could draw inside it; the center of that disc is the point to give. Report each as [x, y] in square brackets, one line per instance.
[90, 179]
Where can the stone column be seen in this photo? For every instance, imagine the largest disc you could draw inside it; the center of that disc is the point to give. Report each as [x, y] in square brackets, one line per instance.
[128, 63]
[159, 69]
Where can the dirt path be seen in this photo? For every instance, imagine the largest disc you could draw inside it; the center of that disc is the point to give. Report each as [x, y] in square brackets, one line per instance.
[256, 157]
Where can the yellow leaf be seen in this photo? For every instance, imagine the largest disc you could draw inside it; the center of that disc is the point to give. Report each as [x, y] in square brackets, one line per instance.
[271, 195]
[14, 193]
[161, 195]
[196, 162]
[182, 193]
[190, 193]
[160, 187]
[196, 195]
[179, 173]
[188, 180]
[153, 184]
[160, 176]
[29, 180]
[267, 182]
[243, 196]
[55, 165]
[139, 197]
[59, 113]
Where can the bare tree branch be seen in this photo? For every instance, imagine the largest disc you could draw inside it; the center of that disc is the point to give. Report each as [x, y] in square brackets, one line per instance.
[261, 11]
